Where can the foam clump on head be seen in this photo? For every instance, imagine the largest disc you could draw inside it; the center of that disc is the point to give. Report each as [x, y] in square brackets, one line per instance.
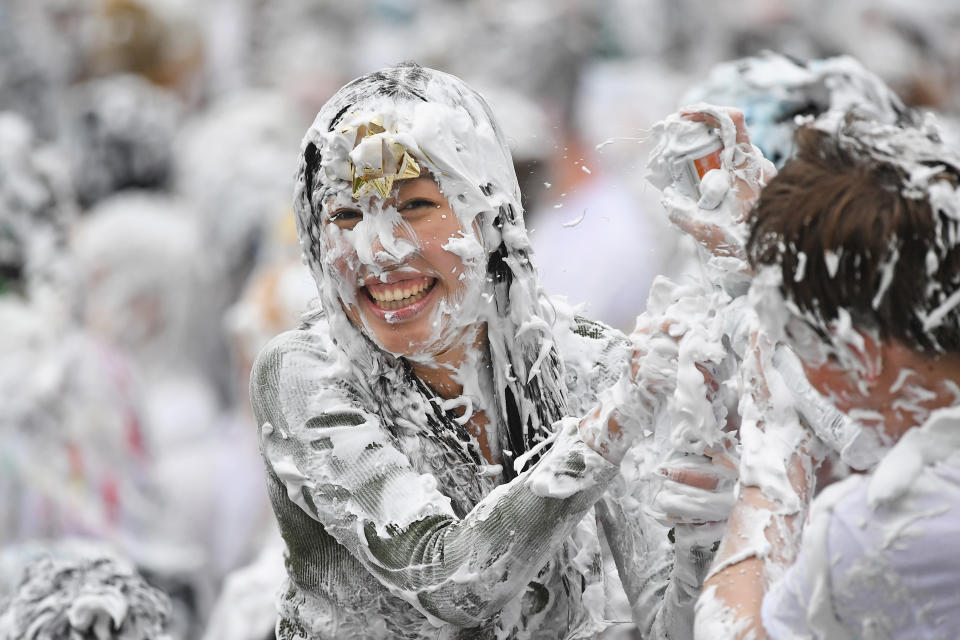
[773, 90]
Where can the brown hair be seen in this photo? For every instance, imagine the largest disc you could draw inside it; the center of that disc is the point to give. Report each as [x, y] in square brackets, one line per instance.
[846, 233]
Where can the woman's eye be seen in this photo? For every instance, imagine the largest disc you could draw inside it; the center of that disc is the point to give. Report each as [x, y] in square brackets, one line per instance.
[417, 203]
[346, 218]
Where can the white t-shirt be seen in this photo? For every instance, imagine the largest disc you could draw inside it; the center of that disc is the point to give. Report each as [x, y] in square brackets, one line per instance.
[876, 563]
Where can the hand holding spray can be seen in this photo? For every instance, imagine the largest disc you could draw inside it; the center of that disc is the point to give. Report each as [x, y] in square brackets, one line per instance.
[688, 167]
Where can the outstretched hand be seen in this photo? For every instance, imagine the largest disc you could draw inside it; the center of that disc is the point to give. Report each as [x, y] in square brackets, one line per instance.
[626, 410]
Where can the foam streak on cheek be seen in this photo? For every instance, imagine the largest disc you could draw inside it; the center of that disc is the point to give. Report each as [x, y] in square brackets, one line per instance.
[461, 308]
[342, 263]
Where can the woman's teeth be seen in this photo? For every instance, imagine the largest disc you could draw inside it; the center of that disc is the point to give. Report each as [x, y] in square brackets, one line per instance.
[399, 294]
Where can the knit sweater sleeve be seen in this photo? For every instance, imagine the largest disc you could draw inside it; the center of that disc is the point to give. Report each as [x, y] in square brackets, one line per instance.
[340, 466]
[661, 571]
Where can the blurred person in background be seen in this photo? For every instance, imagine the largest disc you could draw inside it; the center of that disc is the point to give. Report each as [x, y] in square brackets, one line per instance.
[77, 591]
[273, 301]
[158, 40]
[591, 232]
[233, 164]
[141, 267]
[76, 460]
[559, 190]
[574, 201]
[118, 133]
[50, 45]
[72, 421]
[913, 46]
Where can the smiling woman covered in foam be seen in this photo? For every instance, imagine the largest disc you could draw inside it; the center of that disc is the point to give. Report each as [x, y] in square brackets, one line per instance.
[396, 423]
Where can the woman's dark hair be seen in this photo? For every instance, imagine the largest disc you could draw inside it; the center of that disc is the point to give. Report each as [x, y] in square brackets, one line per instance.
[848, 230]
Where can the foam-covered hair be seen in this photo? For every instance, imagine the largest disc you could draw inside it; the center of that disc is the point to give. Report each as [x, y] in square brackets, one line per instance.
[450, 131]
[772, 90]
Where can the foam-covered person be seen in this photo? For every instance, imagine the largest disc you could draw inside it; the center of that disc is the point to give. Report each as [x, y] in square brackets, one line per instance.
[854, 244]
[118, 133]
[437, 436]
[139, 261]
[255, 188]
[71, 423]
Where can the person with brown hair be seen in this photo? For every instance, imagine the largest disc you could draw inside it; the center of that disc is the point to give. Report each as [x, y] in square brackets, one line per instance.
[854, 244]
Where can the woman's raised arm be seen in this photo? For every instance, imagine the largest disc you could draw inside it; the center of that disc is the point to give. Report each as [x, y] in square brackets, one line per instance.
[336, 462]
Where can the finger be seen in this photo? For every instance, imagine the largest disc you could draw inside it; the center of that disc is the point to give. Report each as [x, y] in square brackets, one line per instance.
[723, 458]
[691, 477]
[690, 225]
[672, 329]
[740, 122]
[708, 378]
[712, 237]
[721, 455]
[684, 504]
[701, 116]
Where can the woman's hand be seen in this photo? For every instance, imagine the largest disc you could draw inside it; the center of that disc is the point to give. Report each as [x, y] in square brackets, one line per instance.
[627, 410]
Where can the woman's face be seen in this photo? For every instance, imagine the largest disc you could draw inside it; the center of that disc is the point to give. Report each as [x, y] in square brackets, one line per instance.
[399, 279]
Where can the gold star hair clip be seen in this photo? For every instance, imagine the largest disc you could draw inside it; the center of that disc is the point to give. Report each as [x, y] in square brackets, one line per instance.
[382, 161]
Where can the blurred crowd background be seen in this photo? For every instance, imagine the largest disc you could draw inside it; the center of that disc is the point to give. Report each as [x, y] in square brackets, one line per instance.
[148, 250]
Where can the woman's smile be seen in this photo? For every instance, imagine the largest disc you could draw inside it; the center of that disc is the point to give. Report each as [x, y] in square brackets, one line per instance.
[399, 299]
